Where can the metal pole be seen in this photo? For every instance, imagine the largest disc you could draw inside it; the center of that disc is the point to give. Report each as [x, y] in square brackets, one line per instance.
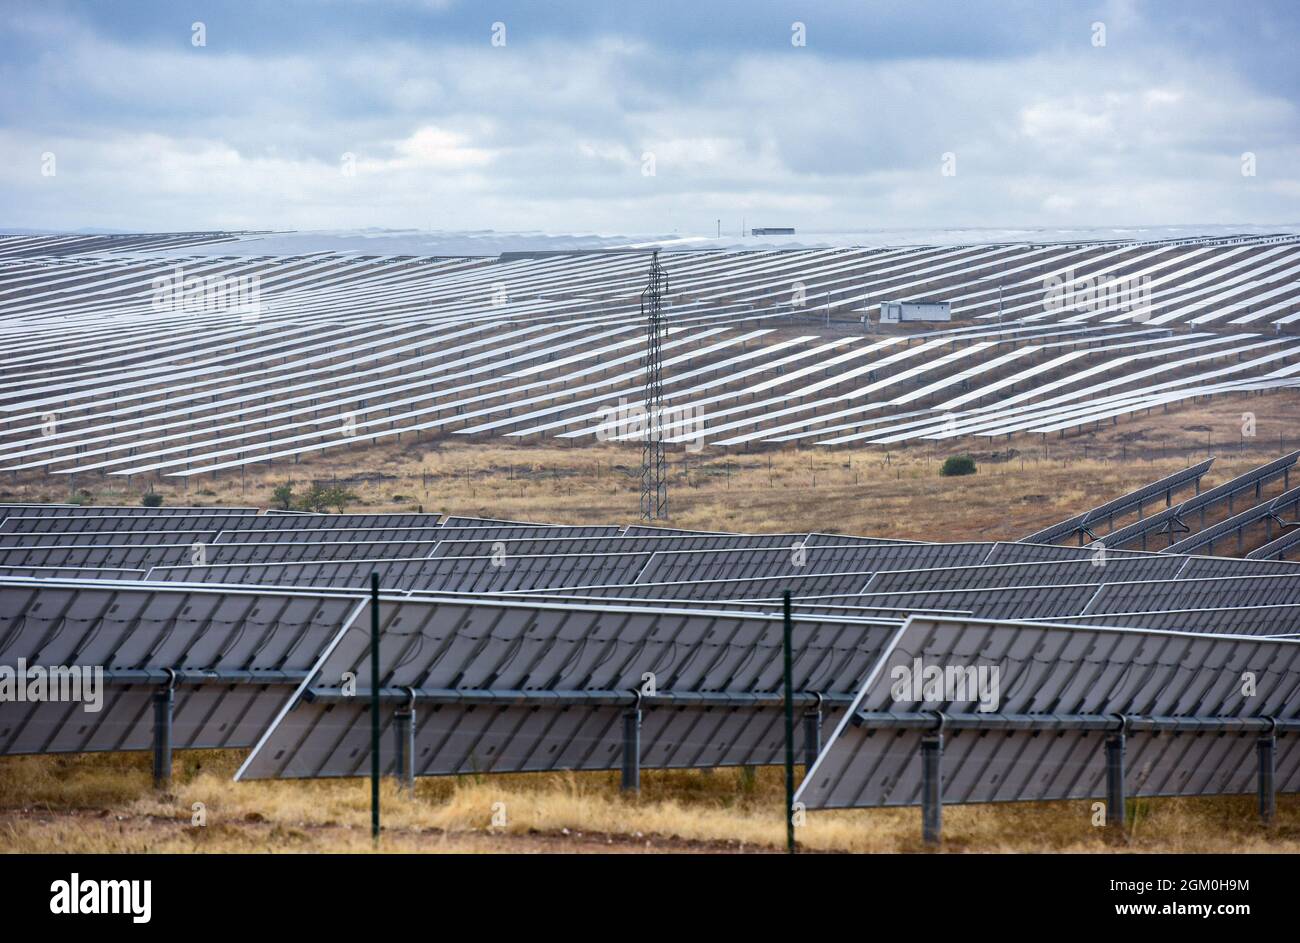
[932, 788]
[404, 748]
[374, 706]
[163, 701]
[1115, 780]
[632, 750]
[1266, 747]
[788, 646]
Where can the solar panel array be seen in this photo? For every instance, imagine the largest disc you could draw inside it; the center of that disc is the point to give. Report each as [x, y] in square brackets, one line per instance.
[268, 358]
[515, 646]
[485, 672]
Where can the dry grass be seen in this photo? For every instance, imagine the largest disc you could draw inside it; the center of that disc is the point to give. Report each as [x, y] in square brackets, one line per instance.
[1022, 485]
[106, 804]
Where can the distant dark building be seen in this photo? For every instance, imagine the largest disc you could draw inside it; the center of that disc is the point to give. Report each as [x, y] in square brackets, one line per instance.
[773, 231]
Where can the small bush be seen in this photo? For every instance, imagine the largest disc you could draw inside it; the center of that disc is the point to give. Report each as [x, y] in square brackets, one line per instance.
[151, 500]
[958, 465]
[320, 498]
[283, 496]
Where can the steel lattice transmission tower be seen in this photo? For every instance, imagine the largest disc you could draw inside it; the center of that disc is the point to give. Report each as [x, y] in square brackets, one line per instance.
[654, 467]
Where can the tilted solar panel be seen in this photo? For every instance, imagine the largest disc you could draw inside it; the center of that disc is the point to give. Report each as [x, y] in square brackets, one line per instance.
[1059, 690]
[241, 652]
[503, 687]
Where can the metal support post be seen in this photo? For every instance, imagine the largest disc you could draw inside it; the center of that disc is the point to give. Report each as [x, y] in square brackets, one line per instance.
[1115, 744]
[164, 700]
[932, 787]
[1266, 748]
[404, 746]
[632, 748]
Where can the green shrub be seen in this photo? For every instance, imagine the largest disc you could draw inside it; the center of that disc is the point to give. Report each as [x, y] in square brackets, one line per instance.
[283, 496]
[320, 498]
[151, 500]
[958, 465]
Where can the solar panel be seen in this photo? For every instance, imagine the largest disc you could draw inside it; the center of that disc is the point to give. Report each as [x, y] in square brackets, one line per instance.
[72, 572]
[756, 588]
[316, 533]
[461, 574]
[1238, 524]
[1278, 548]
[1201, 567]
[115, 537]
[1175, 519]
[1201, 593]
[1094, 568]
[757, 563]
[423, 356]
[239, 654]
[1007, 552]
[1060, 690]
[90, 524]
[1279, 619]
[77, 510]
[508, 687]
[1082, 524]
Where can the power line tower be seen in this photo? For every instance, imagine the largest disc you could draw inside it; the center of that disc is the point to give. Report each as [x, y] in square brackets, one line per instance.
[654, 467]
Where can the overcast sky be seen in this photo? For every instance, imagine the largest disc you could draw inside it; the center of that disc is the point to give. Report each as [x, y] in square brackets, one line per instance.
[661, 116]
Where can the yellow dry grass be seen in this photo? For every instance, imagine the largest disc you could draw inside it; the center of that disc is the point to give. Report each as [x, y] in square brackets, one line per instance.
[107, 804]
[1020, 486]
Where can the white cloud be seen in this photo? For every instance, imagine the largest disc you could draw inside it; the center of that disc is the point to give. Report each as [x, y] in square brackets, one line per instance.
[552, 136]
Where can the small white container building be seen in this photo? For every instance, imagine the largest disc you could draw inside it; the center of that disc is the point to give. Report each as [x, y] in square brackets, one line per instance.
[895, 312]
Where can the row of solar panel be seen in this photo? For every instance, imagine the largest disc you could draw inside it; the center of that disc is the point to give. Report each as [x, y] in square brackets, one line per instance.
[1196, 523]
[513, 686]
